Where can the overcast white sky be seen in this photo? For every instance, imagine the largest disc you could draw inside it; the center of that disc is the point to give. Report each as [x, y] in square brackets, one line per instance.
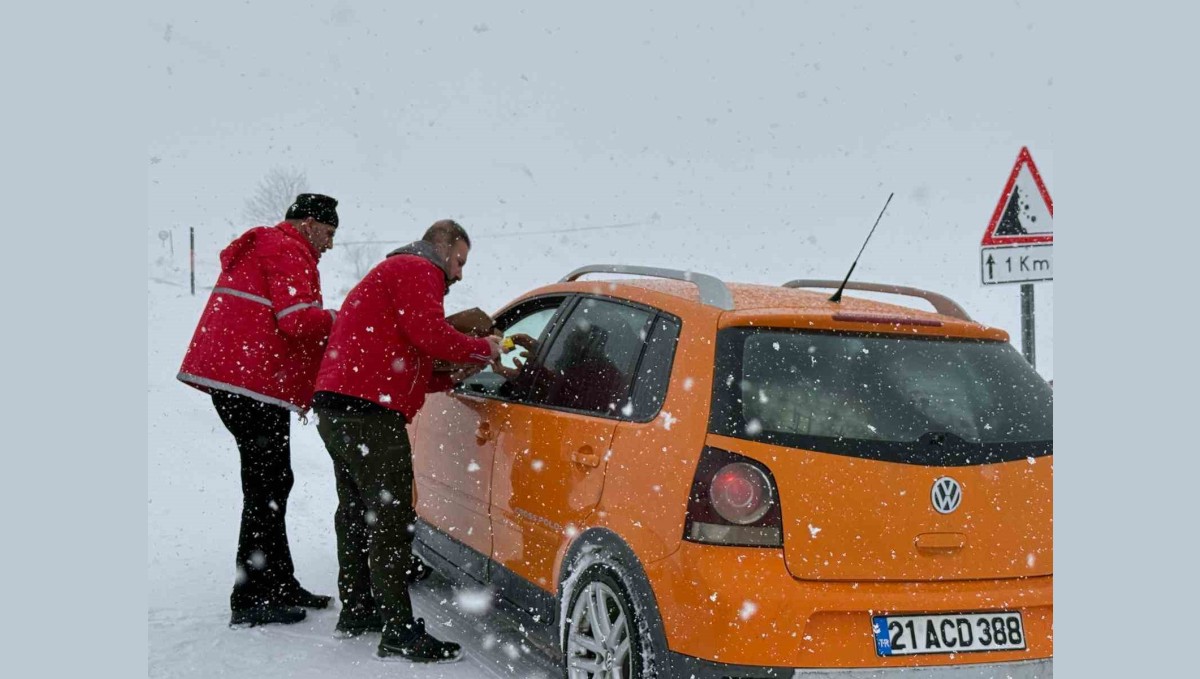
[756, 141]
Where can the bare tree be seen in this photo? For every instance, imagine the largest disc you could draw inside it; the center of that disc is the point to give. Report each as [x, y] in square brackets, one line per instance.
[274, 194]
[361, 256]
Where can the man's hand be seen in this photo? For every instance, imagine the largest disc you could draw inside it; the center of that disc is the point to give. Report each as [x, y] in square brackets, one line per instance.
[507, 373]
[524, 341]
[494, 341]
[466, 373]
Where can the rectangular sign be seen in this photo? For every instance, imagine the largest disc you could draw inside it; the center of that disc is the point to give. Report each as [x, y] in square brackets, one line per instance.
[1016, 263]
[962, 633]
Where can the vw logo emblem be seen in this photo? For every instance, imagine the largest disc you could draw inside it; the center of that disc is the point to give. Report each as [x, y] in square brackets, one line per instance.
[946, 495]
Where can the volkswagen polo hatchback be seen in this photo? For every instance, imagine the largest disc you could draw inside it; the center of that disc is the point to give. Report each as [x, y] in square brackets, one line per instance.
[680, 477]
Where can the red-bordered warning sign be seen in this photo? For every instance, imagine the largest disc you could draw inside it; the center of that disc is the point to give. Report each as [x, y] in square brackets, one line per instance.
[1025, 213]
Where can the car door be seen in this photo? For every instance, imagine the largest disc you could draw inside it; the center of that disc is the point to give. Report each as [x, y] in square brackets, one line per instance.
[456, 443]
[552, 445]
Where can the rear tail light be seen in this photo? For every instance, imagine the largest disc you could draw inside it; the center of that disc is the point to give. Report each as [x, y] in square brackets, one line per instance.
[734, 501]
[741, 493]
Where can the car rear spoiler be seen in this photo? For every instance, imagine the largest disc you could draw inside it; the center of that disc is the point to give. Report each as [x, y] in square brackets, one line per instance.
[713, 290]
[942, 304]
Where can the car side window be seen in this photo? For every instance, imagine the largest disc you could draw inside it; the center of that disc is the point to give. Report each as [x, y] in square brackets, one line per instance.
[530, 319]
[591, 363]
[654, 371]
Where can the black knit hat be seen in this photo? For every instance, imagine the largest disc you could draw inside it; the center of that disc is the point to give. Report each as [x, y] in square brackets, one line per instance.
[315, 205]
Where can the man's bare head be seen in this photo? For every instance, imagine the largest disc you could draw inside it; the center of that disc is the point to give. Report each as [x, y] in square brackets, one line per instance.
[452, 244]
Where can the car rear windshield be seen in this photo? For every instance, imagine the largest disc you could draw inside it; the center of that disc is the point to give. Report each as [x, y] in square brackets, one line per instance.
[902, 399]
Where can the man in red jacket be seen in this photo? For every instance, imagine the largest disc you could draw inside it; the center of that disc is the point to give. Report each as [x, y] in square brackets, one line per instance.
[256, 351]
[373, 380]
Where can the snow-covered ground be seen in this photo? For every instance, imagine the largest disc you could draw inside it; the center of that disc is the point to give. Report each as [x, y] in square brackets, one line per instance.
[192, 510]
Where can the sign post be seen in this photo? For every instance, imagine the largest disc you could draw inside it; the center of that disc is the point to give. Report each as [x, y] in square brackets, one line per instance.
[1018, 245]
[192, 256]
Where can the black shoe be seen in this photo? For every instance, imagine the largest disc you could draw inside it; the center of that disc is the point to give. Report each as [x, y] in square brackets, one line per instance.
[418, 571]
[413, 643]
[266, 614]
[351, 624]
[298, 596]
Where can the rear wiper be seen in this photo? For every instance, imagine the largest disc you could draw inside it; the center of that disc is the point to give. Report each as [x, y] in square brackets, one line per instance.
[940, 438]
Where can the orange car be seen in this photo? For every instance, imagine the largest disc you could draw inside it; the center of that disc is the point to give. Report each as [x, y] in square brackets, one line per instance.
[691, 479]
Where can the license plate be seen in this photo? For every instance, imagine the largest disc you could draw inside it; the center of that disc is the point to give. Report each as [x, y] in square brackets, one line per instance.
[954, 633]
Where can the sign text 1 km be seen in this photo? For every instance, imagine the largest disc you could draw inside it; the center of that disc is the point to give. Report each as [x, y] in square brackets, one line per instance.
[1017, 263]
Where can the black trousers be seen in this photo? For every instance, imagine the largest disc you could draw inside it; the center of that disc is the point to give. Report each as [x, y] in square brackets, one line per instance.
[264, 560]
[372, 463]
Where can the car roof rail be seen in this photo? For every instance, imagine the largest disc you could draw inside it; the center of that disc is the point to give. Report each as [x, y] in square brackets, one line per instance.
[943, 304]
[713, 290]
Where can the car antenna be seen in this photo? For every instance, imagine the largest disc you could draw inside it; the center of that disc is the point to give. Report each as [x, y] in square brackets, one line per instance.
[837, 296]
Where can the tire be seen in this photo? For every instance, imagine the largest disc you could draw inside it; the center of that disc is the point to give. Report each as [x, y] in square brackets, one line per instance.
[600, 603]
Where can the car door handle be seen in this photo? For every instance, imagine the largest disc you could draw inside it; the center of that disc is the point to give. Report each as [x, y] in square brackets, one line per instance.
[586, 456]
[483, 433]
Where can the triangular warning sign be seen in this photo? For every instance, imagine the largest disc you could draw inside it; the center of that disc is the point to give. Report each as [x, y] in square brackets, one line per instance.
[1025, 213]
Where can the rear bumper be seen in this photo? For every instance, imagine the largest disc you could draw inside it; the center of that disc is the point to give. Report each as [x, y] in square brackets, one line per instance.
[686, 666]
[743, 608]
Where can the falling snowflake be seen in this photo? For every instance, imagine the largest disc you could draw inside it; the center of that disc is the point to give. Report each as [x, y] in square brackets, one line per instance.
[363, 447]
[754, 427]
[668, 420]
[813, 530]
[473, 466]
[473, 601]
[688, 383]
[537, 465]
[749, 608]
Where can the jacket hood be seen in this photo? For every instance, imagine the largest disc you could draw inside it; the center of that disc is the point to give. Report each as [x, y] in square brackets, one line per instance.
[426, 251]
[243, 244]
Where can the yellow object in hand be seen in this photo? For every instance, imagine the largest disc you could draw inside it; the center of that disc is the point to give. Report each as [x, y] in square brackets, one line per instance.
[508, 344]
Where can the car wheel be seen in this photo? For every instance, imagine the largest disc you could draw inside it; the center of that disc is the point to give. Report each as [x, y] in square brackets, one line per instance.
[605, 636]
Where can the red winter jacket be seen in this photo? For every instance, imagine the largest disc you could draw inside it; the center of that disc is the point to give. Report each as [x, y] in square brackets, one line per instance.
[263, 330]
[391, 328]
